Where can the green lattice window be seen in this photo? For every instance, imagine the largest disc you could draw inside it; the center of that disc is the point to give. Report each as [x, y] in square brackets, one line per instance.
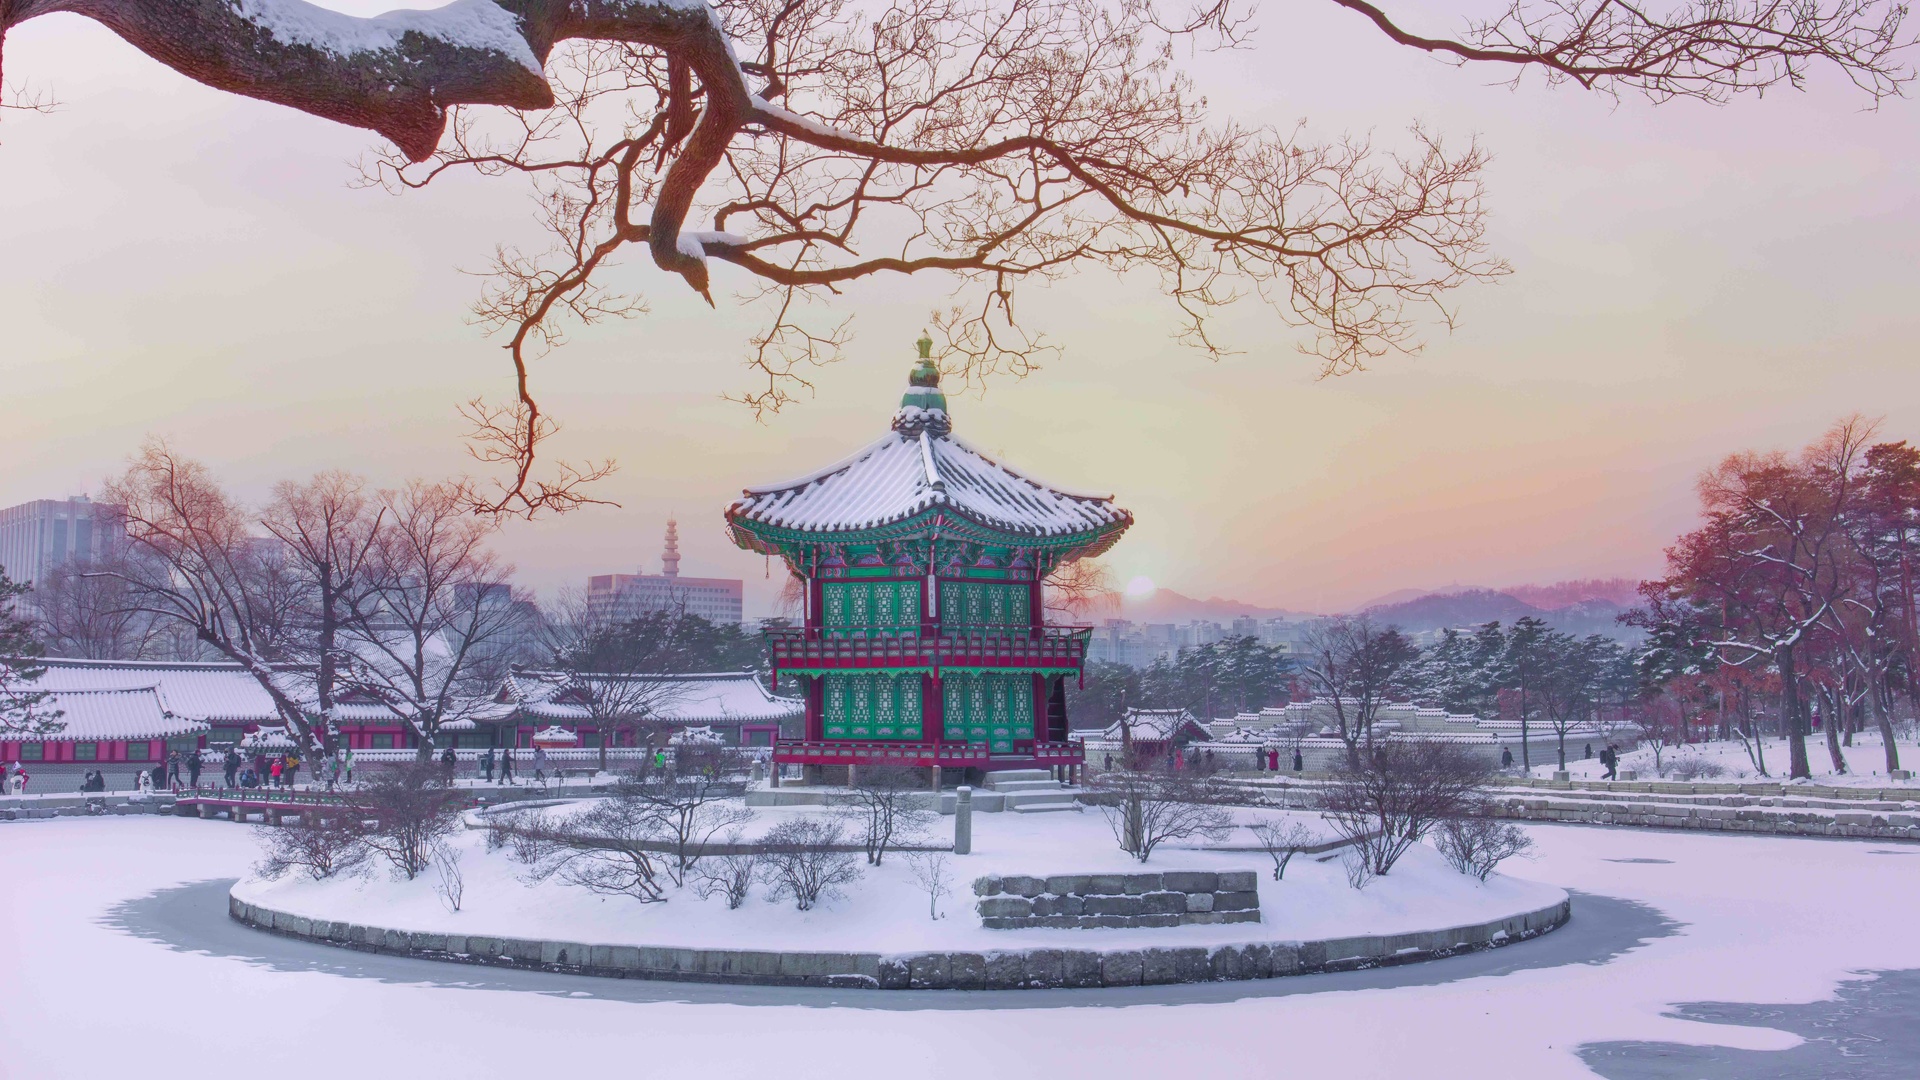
[878, 706]
[858, 607]
[985, 603]
[990, 708]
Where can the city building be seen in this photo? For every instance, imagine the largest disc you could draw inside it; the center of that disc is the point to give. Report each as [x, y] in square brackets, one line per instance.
[619, 597]
[925, 642]
[37, 536]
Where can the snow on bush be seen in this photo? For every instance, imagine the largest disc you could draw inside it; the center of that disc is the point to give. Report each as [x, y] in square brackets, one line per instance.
[1477, 843]
[805, 860]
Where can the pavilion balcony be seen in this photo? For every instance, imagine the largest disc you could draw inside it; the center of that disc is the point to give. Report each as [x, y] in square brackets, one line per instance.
[954, 755]
[798, 648]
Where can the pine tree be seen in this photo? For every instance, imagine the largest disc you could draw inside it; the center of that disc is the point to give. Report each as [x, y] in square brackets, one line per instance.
[22, 709]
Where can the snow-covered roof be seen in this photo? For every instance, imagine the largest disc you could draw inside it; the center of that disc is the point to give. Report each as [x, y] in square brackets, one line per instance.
[696, 736]
[1156, 725]
[210, 693]
[918, 466]
[108, 715]
[725, 697]
[555, 735]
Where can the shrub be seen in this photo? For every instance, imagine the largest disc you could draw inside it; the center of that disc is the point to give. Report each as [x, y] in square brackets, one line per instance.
[1282, 840]
[1693, 767]
[410, 809]
[318, 846]
[806, 859]
[1477, 843]
[1398, 790]
[1146, 809]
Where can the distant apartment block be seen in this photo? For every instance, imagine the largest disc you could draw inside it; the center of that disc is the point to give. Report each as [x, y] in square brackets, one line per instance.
[37, 536]
[628, 596]
[1122, 641]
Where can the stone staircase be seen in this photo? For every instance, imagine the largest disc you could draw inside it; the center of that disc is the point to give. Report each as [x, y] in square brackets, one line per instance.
[1031, 791]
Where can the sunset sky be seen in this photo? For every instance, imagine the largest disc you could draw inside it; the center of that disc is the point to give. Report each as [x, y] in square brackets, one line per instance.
[1689, 281]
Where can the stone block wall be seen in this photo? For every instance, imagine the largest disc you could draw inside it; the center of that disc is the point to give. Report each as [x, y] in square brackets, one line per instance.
[1086, 901]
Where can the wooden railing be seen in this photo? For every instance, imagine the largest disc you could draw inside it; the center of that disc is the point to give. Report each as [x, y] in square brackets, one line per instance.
[798, 648]
[945, 754]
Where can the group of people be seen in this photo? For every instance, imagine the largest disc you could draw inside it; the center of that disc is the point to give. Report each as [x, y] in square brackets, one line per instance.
[506, 764]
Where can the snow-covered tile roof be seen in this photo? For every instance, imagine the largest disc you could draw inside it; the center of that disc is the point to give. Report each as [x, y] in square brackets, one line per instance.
[211, 693]
[108, 715]
[725, 697]
[903, 474]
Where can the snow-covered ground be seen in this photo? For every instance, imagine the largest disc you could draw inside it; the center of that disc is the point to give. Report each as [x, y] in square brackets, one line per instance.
[1866, 761]
[887, 911]
[1765, 919]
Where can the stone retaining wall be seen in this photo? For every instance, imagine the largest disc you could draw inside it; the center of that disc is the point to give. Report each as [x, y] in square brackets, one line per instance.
[1087, 901]
[1768, 821]
[1017, 969]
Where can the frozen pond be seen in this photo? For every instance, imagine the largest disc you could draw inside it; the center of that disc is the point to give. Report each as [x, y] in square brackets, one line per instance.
[94, 980]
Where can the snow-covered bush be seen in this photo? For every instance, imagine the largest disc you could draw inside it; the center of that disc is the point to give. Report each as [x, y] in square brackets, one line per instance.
[1282, 840]
[730, 875]
[1477, 843]
[1146, 809]
[611, 849]
[450, 883]
[1400, 789]
[886, 805]
[318, 846]
[1693, 767]
[688, 802]
[410, 809]
[806, 860]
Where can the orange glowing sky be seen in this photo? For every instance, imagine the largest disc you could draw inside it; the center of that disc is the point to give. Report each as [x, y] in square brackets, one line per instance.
[1689, 281]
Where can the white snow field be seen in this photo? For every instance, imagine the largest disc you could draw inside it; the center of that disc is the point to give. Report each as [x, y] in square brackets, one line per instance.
[1761, 919]
[887, 911]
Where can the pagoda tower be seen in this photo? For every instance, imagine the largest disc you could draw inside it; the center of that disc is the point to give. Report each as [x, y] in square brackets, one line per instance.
[925, 641]
[670, 558]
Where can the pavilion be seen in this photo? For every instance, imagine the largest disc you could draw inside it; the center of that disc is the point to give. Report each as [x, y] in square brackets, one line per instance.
[925, 641]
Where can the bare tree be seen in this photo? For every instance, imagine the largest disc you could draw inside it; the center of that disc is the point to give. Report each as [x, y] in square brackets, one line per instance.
[316, 843]
[1147, 809]
[1400, 790]
[1476, 842]
[1357, 667]
[612, 849]
[615, 665]
[688, 808]
[807, 860]
[1082, 589]
[450, 883]
[411, 810]
[80, 612]
[445, 619]
[328, 529]
[885, 805]
[730, 874]
[809, 145]
[197, 563]
[930, 870]
[1282, 840]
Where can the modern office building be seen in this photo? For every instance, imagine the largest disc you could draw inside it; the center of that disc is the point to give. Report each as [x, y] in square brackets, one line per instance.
[37, 536]
[628, 596]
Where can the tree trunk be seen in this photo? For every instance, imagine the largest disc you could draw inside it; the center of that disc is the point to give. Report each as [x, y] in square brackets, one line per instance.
[1793, 717]
[1877, 705]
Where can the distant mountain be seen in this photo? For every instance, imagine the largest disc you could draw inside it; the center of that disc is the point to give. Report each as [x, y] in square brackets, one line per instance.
[1471, 607]
[1167, 606]
[1619, 591]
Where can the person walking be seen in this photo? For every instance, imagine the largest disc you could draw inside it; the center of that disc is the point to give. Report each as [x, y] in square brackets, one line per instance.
[194, 765]
[486, 765]
[293, 769]
[449, 761]
[1589, 754]
[1610, 759]
[1298, 765]
[1506, 757]
[506, 766]
[230, 767]
[173, 770]
[349, 765]
[276, 771]
[540, 764]
[20, 779]
[333, 772]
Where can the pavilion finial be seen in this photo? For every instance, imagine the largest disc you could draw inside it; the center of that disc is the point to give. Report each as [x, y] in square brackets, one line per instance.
[923, 406]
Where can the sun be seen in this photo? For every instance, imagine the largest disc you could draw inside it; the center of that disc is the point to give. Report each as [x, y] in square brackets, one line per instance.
[1140, 586]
